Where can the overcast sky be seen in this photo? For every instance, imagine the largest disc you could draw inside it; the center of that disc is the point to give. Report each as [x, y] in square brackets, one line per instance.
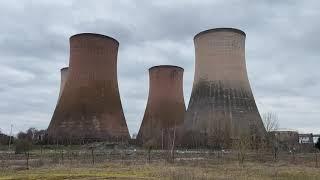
[282, 52]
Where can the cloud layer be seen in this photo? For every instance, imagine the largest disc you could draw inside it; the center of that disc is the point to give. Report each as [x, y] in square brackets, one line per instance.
[282, 52]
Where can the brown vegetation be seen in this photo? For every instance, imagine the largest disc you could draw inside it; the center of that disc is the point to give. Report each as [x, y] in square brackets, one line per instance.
[72, 162]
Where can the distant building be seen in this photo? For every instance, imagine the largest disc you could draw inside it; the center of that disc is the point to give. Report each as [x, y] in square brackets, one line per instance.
[286, 139]
[306, 138]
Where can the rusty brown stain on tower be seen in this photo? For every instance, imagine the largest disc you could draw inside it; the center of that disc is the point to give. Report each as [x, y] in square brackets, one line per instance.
[222, 106]
[89, 105]
[165, 107]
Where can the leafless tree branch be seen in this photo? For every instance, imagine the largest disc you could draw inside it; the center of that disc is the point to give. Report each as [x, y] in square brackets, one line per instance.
[271, 121]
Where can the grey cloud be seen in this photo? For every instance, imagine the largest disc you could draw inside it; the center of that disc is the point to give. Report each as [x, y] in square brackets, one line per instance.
[282, 52]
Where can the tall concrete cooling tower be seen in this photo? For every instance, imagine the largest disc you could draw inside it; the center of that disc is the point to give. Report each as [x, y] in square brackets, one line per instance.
[165, 107]
[222, 107]
[89, 107]
[64, 76]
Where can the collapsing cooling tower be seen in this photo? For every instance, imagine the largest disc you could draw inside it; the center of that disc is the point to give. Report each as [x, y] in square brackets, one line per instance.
[165, 107]
[64, 76]
[89, 107]
[222, 107]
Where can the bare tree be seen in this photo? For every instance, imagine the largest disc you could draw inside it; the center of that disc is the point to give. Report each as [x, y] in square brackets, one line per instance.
[271, 121]
[243, 144]
[92, 153]
[170, 141]
[173, 143]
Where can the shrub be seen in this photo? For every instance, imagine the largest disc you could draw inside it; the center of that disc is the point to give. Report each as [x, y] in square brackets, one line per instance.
[318, 144]
[22, 146]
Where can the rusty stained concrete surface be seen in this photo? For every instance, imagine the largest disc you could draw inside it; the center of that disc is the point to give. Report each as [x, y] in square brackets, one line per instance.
[222, 106]
[64, 77]
[165, 107]
[89, 105]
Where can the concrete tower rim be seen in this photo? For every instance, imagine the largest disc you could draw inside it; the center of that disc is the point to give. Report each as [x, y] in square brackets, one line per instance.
[94, 34]
[166, 66]
[64, 68]
[219, 30]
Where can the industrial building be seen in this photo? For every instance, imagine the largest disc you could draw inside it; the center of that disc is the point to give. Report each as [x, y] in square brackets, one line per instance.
[222, 108]
[286, 139]
[165, 107]
[89, 107]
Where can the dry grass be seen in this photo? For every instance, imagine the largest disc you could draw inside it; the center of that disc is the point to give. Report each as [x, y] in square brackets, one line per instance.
[133, 165]
[160, 170]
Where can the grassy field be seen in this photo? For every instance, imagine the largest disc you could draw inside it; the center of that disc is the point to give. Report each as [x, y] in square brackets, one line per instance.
[77, 163]
[170, 171]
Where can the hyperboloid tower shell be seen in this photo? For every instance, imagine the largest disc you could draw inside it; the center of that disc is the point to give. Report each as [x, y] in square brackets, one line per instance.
[64, 76]
[222, 106]
[89, 107]
[165, 107]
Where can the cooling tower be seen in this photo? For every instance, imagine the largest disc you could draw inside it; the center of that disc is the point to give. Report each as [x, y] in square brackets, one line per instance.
[165, 107]
[222, 107]
[64, 76]
[89, 107]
